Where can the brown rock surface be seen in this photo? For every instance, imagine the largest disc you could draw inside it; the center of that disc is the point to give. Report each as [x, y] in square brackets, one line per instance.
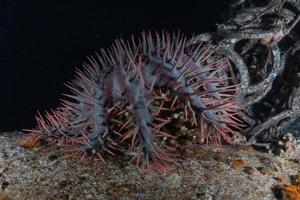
[43, 173]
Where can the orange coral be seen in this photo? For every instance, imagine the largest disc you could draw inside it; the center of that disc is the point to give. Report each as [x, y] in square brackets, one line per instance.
[3, 198]
[30, 142]
[237, 164]
[290, 192]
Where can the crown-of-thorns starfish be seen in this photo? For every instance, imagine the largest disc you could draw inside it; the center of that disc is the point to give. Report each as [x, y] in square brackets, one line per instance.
[132, 97]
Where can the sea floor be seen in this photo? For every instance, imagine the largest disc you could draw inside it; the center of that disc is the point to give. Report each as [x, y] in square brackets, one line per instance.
[232, 172]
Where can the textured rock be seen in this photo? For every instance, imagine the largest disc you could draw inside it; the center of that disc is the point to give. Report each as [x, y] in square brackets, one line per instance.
[44, 173]
[286, 145]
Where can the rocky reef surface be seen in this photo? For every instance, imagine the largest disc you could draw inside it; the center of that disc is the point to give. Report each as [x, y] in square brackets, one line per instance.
[232, 172]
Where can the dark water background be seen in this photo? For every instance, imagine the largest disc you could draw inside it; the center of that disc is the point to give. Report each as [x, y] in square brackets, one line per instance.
[41, 42]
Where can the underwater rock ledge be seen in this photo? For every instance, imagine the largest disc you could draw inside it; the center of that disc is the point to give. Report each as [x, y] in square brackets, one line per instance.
[232, 172]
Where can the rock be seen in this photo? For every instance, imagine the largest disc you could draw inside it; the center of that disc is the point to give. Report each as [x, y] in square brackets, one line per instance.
[286, 145]
[251, 171]
[248, 148]
[296, 180]
[204, 173]
[261, 147]
[265, 170]
[282, 180]
[239, 139]
[204, 196]
[173, 180]
[220, 157]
